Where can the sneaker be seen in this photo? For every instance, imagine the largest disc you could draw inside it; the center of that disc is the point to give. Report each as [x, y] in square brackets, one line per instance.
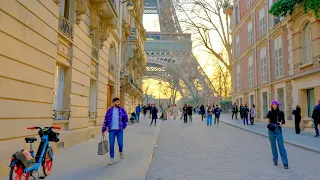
[121, 155]
[316, 135]
[111, 161]
[276, 164]
[286, 166]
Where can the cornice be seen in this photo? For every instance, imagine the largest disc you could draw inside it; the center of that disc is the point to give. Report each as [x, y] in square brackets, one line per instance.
[262, 42]
[276, 32]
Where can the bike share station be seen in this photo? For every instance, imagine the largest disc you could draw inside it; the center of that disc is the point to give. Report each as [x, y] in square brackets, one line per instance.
[24, 164]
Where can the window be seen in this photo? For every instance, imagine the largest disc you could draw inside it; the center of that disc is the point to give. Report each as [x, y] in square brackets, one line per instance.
[262, 21]
[59, 91]
[271, 17]
[251, 100]
[307, 44]
[238, 77]
[265, 104]
[237, 45]
[281, 99]
[93, 99]
[251, 76]
[240, 100]
[278, 57]
[250, 33]
[65, 9]
[310, 100]
[248, 4]
[263, 65]
[237, 14]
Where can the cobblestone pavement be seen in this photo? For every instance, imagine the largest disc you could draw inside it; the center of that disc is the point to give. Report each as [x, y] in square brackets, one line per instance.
[304, 139]
[194, 151]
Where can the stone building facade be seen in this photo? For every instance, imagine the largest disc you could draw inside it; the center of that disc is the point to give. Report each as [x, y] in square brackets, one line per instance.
[275, 58]
[61, 64]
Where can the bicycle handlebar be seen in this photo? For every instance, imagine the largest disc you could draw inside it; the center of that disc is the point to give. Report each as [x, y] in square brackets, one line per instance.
[36, 127]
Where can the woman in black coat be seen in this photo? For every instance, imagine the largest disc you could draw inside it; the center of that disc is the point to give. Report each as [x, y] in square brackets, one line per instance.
[297, 118]
[154, 114]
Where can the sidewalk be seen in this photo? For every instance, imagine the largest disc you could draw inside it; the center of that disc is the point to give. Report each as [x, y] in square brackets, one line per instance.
[82, 162]
[305, 140]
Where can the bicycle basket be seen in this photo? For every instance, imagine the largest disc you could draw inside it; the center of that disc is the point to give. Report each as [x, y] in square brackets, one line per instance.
[53, 136]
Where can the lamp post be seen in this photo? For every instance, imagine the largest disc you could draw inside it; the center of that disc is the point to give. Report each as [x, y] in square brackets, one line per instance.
[159, 92]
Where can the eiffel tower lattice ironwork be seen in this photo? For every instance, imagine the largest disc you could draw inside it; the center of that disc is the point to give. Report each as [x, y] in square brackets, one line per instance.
[170, 56]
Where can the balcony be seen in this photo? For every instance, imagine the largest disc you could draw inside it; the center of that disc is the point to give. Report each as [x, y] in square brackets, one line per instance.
[95, 53]
[65, 27]
[61, 115]
[93, 115]
[108, 8]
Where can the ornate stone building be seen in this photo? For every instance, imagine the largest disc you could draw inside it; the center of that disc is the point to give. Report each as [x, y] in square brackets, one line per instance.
[275, 58]
[60, 63]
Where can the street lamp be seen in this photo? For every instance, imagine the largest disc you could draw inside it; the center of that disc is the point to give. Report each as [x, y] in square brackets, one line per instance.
[159, 92]
[129, 5]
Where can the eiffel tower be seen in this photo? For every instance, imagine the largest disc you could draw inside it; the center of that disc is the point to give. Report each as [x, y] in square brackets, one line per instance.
[170, 57]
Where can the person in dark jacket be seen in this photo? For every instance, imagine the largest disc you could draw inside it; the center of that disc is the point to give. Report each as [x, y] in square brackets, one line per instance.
[154, 114]
[276, 118]
[235, 110]
[189, 111]
[297, 118]
[217, 112]
[185, 113]
[316, 118]
[245, 112]
[202, 111]
[241, 111]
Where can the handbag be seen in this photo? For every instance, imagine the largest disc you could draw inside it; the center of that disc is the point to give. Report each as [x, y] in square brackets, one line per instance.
[103, 146]
[271, 127]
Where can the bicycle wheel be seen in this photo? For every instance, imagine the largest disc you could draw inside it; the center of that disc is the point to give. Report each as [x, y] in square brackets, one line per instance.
[47, 165]
[16, 173]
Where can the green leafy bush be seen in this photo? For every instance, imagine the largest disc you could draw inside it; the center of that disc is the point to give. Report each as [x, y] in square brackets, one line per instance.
[285, 7]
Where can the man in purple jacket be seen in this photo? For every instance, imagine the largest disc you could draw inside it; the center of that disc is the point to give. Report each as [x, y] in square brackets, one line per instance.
[115, 122]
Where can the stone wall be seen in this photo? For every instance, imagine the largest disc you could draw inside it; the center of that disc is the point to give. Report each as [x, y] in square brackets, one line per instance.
[289, 100]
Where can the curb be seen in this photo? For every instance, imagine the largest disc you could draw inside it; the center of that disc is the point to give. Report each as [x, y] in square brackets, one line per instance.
[156, 142]
[285, 141]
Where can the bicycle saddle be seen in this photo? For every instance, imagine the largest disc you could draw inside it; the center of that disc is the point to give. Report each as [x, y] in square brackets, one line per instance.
[30, 139]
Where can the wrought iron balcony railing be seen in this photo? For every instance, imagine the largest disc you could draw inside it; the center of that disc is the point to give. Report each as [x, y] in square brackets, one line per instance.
[93, 115]
[277, 21]
[95, 52]
[65, 27]
[61, 115]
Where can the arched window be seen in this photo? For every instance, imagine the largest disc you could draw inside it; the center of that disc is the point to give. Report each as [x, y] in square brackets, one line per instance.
[307, 44]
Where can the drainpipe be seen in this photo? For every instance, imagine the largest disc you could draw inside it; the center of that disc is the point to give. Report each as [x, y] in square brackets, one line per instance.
[255, 58]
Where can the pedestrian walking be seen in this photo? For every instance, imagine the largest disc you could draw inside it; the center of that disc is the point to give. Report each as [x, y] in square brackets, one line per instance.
[202, 111]
[154, 114]
[175, 111]
[245, 112]
[150, 113]
[252, 114]
[115, 121]
[210, 112]
[316, 118]
[241, 111]
[185, 113]
[235, 110]
[217, 112]
[189, 109]
[276, 119]
[297, 118]
[138, 111]
[144, 109]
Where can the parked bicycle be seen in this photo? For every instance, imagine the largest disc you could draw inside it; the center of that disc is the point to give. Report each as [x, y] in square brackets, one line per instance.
[24, 163]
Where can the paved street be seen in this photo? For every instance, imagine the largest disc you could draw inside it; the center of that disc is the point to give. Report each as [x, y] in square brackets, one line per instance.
[195, 151]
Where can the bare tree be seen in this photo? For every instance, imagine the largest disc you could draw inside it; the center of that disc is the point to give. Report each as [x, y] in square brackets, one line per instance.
[206, 19]
[222, 80]
[170, 91]
[147, 91]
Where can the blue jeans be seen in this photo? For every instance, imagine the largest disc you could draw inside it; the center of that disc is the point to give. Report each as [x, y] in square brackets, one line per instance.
[277, 136]
[138, 117]
[245, 119]
[112, 138]
[209, 120]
